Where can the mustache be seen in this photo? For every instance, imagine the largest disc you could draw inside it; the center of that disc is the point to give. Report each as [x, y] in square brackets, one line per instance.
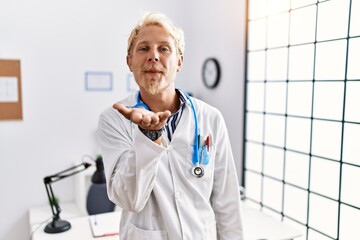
[153, 69]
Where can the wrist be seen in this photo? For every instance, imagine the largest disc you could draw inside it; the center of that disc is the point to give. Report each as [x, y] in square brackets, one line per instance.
[152, 134]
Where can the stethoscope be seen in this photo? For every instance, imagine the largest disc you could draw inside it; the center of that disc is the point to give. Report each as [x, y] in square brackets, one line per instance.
[197, 159]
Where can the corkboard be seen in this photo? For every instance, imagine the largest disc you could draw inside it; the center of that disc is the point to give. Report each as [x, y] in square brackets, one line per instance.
[10, 107]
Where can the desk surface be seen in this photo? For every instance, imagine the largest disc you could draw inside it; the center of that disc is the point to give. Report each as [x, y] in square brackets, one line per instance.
[257, 225]
[80, 229]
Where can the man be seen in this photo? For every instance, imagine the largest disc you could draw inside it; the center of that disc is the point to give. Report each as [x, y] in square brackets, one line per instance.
[167, 156]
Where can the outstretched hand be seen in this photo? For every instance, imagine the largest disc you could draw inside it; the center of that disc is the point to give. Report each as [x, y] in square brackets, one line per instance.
[144, 118]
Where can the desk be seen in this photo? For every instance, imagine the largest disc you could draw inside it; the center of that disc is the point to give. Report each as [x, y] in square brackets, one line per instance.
[80, 226]
[257, 224]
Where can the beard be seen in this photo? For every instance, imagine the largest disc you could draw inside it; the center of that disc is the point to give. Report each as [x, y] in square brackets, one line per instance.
[156, 86]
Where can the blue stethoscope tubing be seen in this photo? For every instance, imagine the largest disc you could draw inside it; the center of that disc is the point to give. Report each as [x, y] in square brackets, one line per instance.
[197, 169]
[195, 157]
[139, 103]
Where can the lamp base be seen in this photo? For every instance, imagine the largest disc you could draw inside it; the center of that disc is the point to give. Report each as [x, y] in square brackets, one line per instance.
[57, 226]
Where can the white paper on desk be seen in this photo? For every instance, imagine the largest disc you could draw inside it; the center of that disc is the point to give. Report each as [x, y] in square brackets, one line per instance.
[104, 224]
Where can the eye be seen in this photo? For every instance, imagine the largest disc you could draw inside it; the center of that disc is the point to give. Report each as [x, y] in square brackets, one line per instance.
[165, 49]
[142, 49]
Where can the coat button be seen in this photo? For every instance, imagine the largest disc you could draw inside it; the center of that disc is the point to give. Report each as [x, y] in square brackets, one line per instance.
[178, 195]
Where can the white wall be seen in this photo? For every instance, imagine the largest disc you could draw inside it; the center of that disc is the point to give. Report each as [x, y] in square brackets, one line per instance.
[57, 42]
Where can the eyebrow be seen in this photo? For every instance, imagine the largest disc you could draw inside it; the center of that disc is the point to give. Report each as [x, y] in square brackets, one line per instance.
[147, 42]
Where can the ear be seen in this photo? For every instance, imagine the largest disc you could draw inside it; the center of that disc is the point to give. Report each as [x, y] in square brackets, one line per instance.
[180, 62]
[128, 62]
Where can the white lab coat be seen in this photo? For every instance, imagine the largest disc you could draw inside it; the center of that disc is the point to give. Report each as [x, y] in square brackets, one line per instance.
[154, 186]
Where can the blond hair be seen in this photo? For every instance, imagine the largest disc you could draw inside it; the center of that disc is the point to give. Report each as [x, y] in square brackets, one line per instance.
[158, 19]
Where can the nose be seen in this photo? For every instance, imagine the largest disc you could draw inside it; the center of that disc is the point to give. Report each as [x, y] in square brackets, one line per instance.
[153, 56]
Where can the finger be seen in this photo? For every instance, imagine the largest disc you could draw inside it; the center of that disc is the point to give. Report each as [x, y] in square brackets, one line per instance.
[125, 111]
[146, 120]
[136, 117]
[163, 117]
[155, 119]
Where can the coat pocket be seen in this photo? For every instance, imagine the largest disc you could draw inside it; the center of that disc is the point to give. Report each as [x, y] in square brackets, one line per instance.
[206, 161]
[135, 233]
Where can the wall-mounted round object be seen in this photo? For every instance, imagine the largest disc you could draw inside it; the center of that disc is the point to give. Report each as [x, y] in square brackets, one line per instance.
[211, 72]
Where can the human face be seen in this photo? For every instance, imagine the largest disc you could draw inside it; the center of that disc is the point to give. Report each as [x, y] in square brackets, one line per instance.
[154, 60]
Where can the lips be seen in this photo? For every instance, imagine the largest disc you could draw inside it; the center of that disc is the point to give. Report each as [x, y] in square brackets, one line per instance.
[153, 73]
[153, 69]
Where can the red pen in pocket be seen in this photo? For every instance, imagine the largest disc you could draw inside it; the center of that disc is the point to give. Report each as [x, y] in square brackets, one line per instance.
[208, 142]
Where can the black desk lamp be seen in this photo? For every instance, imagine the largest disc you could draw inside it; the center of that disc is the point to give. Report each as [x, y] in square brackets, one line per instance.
[57, 225]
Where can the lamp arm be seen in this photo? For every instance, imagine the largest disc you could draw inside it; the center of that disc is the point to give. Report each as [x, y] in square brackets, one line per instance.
[55, 208]
[65, 173]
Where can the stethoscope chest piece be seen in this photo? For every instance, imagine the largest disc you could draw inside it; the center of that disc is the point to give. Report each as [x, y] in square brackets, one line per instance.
[198, 171]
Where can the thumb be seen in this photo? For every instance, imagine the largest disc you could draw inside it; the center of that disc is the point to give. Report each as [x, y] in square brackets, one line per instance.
[122, 109]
